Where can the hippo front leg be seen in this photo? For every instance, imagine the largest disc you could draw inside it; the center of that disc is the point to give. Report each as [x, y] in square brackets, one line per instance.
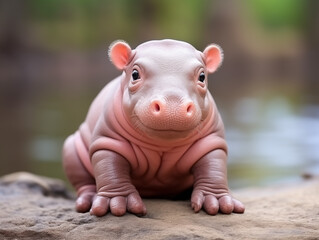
[115, 191]
[210, 186]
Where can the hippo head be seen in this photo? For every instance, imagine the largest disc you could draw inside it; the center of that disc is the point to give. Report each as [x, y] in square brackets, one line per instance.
[164, 86]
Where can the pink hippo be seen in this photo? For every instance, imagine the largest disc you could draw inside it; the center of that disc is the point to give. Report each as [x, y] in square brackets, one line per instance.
[154, 131]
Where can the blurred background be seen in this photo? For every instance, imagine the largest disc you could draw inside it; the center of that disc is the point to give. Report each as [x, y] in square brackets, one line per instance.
[53, 62]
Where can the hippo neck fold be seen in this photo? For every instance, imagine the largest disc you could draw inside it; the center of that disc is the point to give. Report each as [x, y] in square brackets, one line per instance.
[124, 127]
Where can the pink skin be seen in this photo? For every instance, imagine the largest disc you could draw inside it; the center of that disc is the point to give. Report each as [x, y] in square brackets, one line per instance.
[154, 131]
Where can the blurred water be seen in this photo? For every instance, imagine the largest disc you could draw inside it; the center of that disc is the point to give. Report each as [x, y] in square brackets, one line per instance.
[272, 141]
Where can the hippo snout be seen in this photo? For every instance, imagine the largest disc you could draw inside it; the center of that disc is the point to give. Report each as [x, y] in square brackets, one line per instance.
[165, 109]
[169, 113]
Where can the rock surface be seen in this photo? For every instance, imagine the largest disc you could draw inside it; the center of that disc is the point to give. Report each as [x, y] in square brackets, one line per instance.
[34, 207]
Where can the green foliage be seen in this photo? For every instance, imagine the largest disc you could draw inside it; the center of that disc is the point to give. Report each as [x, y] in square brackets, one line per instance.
[87, 23]
[278, 14]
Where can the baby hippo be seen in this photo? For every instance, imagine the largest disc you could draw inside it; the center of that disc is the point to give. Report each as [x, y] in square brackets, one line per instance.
[154, 131]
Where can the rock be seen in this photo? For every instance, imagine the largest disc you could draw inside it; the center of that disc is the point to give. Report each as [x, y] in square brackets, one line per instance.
[47, 186]
[33, 207]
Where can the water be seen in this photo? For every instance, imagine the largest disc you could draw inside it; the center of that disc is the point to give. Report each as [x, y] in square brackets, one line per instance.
[272, 141]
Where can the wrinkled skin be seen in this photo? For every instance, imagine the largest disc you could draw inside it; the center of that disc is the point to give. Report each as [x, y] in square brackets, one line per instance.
[154, 131]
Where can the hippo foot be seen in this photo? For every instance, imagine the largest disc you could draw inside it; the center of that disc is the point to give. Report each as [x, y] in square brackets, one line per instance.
[85, 198]
[99, 204]
[214, 203]
[118, 205]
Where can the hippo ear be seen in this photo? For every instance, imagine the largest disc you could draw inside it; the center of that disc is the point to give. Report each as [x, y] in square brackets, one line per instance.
[213, 55]
[120, 54]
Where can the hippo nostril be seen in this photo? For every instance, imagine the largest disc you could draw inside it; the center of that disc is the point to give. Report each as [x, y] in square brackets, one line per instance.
[157, 107]
[190, 109]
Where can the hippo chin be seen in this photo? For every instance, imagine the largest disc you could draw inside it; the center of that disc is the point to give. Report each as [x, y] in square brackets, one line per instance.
[154, 131]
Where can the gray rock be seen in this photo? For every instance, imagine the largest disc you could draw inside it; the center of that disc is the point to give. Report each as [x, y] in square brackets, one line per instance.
[33, 207]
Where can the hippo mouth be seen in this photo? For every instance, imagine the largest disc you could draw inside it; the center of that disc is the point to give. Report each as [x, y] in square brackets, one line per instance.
[156, 130]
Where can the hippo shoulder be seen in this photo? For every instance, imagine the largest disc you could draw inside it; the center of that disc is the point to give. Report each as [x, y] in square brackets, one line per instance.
[99, 103]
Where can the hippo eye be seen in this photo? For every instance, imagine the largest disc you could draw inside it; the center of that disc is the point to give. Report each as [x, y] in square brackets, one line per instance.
[135, 75]
[201, 77]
